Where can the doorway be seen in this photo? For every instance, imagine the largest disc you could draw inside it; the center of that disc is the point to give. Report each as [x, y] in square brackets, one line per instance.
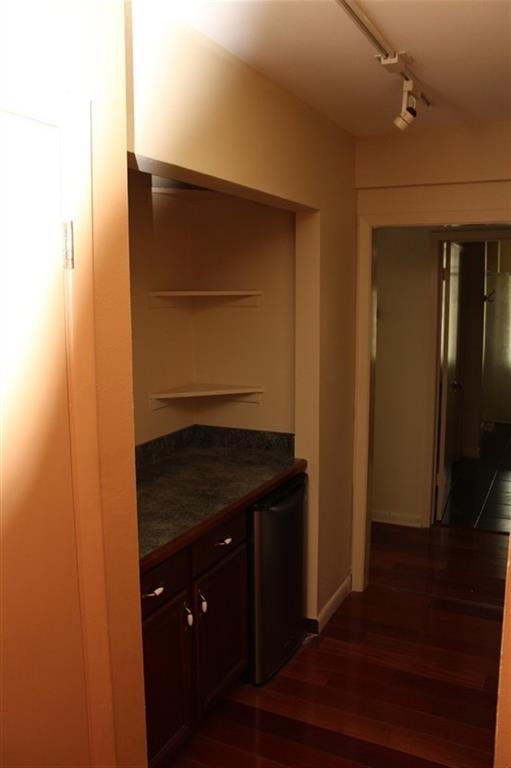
[440, 427]
[473, 459]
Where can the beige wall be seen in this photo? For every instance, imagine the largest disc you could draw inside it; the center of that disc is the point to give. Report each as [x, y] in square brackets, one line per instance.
[163, 339]
[405, 376]
[241, 245]
[470, 203]
[200, 110]
[208, 241]
[446, 155]
[74, 683]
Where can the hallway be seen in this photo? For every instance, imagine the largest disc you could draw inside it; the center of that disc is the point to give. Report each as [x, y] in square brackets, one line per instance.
[403, 676]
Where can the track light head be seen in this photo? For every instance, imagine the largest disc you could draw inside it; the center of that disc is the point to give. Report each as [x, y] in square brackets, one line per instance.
[403, 120]
[408, 106]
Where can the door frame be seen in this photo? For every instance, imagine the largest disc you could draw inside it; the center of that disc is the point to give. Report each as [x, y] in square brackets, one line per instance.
[441, 394]
[362, 448]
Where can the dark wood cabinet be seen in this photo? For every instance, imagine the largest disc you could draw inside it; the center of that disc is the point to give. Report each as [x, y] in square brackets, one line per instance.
[168, 646]
[195, 641]
[220, 598]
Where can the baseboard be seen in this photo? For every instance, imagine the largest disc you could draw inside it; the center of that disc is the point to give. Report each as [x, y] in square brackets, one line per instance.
[333, 604]
[380, 516]
[312, 626]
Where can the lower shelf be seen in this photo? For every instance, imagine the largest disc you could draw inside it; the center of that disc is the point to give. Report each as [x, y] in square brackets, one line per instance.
[204, 299]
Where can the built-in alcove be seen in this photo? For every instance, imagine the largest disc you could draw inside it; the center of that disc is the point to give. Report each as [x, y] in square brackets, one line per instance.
[213, 309]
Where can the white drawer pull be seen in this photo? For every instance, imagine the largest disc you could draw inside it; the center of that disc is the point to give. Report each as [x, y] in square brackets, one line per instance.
[189, 616]
[156, 593]
[225, 543]
[203, 603]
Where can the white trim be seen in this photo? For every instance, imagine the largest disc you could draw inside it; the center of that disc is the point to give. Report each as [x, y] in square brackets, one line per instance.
[363, 338]
[83, 416]
[192, 195]
[384, 516]
[333, 604]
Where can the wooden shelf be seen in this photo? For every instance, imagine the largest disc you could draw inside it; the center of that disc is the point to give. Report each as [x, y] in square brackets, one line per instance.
[171, 299]
[237, 391]
[203, 294]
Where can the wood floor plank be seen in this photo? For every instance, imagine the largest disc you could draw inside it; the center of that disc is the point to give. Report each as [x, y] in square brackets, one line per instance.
[468, 705]
[393, 659]
[385, 709]
[325, 662]
[383, 734]
[453, 629]
[240, 730]
[309, 673]
[187, 762]
[439, 658]
[217, 753]
[326, 741]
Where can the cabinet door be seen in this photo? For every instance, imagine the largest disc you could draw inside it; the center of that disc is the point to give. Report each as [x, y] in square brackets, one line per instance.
[168, 679]
[221, 637]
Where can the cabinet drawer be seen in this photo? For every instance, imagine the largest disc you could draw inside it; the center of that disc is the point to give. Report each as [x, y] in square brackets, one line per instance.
[218, 543]
[171, 577]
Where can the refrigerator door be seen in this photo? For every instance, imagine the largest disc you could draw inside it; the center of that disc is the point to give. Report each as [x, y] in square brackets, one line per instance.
[278, 589]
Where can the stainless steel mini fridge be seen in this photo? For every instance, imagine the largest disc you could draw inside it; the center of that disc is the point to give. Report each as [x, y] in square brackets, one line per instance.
[276, 578]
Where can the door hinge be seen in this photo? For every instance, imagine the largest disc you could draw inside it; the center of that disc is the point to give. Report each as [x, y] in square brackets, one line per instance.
[68, 245]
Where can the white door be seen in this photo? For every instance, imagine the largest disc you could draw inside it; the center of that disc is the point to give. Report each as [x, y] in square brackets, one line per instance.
[43, 687]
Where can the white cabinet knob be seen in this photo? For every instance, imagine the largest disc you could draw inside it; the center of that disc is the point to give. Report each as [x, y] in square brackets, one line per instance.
[155, 593]
[189, 616]
[225, 543]
[203, 603]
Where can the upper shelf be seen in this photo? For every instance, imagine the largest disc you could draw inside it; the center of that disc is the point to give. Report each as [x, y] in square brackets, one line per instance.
[205, 294]
[242, 392]
[230, 298]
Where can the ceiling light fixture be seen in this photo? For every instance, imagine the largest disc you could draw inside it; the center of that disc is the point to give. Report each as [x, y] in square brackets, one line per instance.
[394, 62]
[408, 106]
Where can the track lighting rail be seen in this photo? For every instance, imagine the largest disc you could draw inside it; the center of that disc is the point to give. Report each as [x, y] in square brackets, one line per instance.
[393, 61]
[364, 23]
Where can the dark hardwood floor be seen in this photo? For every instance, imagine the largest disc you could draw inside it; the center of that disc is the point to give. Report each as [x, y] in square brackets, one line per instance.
[403, 676]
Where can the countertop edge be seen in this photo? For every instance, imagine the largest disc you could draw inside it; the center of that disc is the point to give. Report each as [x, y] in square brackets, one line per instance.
[193, 534]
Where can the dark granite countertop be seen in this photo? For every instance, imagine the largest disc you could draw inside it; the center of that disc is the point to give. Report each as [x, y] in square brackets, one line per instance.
[181, 491]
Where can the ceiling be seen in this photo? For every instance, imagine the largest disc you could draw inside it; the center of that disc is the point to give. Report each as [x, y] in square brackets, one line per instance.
[460, 48]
